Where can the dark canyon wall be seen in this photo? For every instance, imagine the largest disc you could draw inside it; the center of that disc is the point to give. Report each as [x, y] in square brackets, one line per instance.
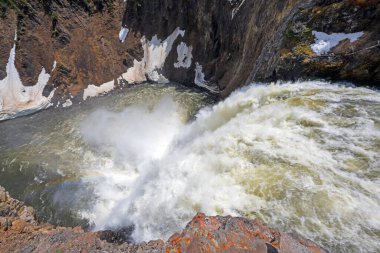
[234, 42]
[225, 44]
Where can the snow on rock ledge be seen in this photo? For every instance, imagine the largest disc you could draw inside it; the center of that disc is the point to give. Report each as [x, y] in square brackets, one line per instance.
[123, 34]
[236, 10]
[93, 91]
[184, 56]
[67, 103]
[155, 53]
[325, 42]
[199, 79]
[17, 99]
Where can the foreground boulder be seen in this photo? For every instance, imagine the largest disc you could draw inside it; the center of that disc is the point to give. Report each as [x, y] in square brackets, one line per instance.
[233, 234]
[20, 231]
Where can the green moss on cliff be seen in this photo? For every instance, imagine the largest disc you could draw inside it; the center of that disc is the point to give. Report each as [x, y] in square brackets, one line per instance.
[5, 5]
[297, 33]
[54, 23]
[20, 6]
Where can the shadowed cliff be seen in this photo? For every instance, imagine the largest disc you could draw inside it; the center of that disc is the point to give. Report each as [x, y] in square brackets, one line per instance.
[235, 42]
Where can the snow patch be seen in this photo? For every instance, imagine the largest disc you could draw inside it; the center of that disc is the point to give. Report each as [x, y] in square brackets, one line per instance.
[200, 79]
[235, 10]
[17, 99]
[155, 53]
[184, 56]
[199, 76]
[123, 34]
[93, 90]
[67, 103]
[325, 42]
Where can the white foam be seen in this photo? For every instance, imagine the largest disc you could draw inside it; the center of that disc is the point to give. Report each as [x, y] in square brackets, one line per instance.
[93, 90]
[278, 151]
[17, 99]
[325, 42]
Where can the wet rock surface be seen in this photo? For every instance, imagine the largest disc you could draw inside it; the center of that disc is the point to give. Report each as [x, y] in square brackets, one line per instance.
[20, 231]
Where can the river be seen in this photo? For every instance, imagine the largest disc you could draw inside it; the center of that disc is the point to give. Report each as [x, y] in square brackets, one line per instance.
[303, 157]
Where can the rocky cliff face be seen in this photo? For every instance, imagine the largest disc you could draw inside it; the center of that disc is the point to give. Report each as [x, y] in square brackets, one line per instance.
[237, 42]
[228, 39]
[20, 231]
[84, 48]
[350, 59]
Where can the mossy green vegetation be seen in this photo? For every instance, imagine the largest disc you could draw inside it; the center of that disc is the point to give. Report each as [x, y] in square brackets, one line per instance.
[6, 4]
[110, 4]
[54, 23]
[95, 5]
[298, 33]
[21, 7]
[85, 4]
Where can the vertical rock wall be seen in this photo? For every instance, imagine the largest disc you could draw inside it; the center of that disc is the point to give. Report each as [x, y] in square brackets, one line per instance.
[219, 45]
[234, 41]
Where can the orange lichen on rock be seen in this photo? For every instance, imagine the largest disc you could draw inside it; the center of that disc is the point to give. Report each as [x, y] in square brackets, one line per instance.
[364, 3]
[20, 231]
[230, 234]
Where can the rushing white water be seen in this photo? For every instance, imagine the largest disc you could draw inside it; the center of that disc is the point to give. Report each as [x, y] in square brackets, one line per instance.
[304, 157]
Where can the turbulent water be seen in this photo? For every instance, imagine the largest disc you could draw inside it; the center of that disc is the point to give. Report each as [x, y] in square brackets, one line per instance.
[303, 157]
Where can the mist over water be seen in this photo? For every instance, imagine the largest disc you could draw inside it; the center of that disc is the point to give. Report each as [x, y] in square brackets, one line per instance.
[303, 157]
[161, 174]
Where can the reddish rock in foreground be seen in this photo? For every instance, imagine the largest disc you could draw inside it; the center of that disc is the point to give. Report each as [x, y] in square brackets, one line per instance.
[232, 234]
[20, 231]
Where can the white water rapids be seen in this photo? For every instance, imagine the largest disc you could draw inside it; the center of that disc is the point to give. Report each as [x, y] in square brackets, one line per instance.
[303, 157]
